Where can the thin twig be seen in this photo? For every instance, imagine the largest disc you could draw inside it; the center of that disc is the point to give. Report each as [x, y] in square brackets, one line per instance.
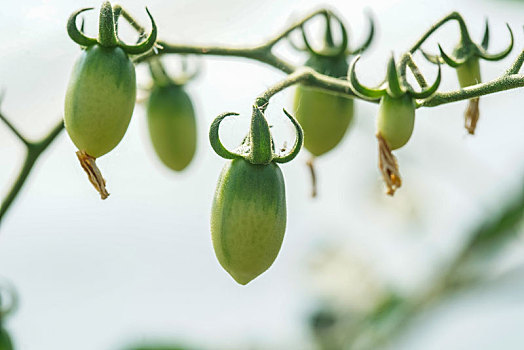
[14, 130]
[503, 83]
[34, 150]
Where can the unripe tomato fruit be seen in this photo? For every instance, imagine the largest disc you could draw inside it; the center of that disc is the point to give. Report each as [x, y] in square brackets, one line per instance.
[100, 99]
[248, 218]
[172, 125]
[324, 117]
[396, 119]
[5, 340]
[469, 73]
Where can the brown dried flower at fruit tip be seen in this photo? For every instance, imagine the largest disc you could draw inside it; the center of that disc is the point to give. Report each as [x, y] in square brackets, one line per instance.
[471, 116]
[95, 176]
[388, 166]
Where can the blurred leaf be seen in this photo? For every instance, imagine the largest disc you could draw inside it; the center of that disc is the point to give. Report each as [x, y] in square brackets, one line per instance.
[159, 347]
[498, 229]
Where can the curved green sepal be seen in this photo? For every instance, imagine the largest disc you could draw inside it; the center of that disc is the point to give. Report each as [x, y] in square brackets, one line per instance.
[450, 61]
[497, 56]
[260, 140]
[299, 140]
[117, 12]
[328, 36]
[485, 38]
[394, 89]
[361, 89]
[294, 45]
[369, 39]
[106, 26]
[435, 59]
[12, 306]
[341, 50]
[145, 45]
[430, 90]
[77, 35]
[214, 138]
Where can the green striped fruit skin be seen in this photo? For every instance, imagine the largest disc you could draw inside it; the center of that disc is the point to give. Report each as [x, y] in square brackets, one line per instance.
[248, 218]
[469, 73]
[100, 99]
[325, 117]
[172, 125]
[5, 340]
[396, 120]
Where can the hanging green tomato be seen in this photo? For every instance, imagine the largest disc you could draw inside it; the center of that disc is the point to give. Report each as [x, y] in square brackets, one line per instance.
[465, 60]
[6, 309]
[396, 116]
[101, 94]
[171, 120]
[5, 340]
[248, 217]
[324, 116]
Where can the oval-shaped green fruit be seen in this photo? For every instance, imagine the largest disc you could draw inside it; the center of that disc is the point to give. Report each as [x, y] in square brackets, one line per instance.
[469, 73]
[324, 117]
[172, 125]
[248, 218]
[396, 119]
[100, 99]
[5, 340]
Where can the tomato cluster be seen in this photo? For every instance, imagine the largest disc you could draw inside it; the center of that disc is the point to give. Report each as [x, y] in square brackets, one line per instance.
[248, 219]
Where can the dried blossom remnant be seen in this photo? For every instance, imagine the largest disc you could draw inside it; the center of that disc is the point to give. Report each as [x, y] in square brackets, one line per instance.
[311, 166]
[95, 176]
[388, 166]
[471, 116]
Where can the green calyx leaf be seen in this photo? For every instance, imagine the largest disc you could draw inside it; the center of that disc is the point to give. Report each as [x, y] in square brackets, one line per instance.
[425, 93]
[361, 90]
[108, 31]
[145, 45]
[299, 141]
[214, 138]
[260, 139]
[481, 50]
[393, 89]
[77, 35]
[467, 50]
[106, 26]
[336, 67]
[257, 147]
[369, 39]
[330, 49]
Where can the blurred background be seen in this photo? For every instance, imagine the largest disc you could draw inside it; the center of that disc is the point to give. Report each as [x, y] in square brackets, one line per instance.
[357, 269]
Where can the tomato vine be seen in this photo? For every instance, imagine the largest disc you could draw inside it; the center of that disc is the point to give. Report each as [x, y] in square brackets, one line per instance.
[511, 79]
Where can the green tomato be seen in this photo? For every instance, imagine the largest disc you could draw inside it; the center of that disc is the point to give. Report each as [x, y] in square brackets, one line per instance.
[469, 73]
[324, 117]
[248, 218]
[396, 119]
[5, 340]
[100, 99]
[172, 125]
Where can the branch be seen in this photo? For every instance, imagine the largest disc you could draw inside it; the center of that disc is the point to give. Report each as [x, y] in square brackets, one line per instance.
[452, 16]
[503, 83]
[14, 130]
[263, 53]
[515, 67]
[34, 150]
